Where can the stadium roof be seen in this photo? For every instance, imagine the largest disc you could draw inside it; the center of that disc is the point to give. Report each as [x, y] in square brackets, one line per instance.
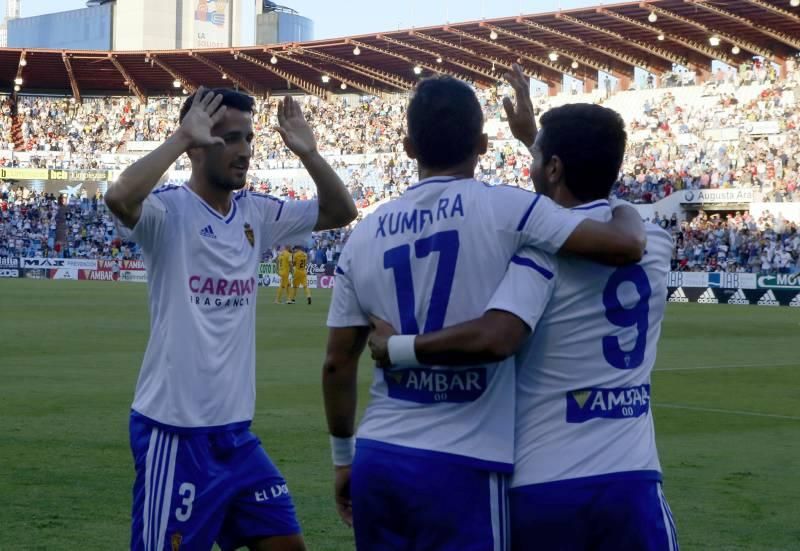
[615, 38]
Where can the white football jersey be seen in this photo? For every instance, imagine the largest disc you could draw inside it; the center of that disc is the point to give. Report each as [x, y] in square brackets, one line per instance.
[583, 377]
[199, 368]
[431, 259]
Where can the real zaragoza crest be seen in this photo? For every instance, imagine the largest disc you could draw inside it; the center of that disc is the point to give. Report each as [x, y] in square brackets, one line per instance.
[248, 233]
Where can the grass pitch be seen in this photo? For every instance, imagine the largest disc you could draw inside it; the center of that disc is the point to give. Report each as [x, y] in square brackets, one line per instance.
[725, 396]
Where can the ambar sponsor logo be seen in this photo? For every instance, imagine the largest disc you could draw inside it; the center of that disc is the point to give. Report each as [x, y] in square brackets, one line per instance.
[97, 275]
[607, 403]
[428, 386]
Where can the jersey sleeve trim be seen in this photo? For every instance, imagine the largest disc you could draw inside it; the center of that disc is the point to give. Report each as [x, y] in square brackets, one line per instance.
[528, 213]
[339, 270]
[168, 187]
[522, 261]
[271, 198]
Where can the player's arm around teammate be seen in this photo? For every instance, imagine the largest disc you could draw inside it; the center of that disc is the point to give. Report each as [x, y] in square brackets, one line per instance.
[491, 338]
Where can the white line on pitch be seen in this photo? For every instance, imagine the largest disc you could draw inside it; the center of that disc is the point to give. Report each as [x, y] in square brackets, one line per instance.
[729, 411]
[699, 367]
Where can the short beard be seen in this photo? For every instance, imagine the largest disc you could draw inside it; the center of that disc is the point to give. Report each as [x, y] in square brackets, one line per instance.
[226, 184]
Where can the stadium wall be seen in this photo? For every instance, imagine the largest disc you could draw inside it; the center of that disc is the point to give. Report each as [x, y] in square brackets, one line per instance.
[280, 27]
[83, 29]
[145, 24]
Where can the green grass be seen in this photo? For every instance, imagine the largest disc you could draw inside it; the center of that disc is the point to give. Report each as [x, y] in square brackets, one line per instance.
[70, 353]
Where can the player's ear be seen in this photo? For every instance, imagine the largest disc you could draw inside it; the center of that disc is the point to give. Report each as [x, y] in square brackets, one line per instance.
[408, 145]
[554, 170]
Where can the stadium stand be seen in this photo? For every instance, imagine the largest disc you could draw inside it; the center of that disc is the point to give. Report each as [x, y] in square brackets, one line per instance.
[689, 130]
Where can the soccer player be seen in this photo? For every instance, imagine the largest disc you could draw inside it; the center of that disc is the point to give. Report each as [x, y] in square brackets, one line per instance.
[586, 469]
[435, 446]
[201, 475]
[299, 275]
[284, 263]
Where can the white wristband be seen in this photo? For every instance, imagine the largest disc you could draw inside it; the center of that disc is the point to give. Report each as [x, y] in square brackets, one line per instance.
[343, 450]
[401, 350]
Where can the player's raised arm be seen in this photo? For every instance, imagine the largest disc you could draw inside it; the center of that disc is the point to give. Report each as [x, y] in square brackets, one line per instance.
[617, 242]
[336, 206]
[521, 117]
[126, 196]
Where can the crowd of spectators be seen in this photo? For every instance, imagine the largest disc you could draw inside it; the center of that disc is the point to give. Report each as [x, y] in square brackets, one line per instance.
[672, 146]
[721, 143]
[34, 224]
[736, 242]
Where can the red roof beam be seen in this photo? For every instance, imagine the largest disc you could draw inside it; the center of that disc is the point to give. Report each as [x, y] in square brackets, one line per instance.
[472, 67]
[745, 44]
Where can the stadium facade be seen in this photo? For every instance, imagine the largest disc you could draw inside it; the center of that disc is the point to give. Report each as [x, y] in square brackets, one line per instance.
[122, 25]
[133, 25]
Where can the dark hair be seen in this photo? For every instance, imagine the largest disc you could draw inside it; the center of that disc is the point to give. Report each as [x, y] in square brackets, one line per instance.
[445, 122]
[590, 141]
[230, 99]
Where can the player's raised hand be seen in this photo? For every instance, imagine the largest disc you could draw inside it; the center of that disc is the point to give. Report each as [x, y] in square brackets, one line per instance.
[521, 118]
[344, 505]
[294, 128]
[206, 111]
[378, 341]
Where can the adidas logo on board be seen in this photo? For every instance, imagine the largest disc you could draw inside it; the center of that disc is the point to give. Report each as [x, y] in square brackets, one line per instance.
[708, 297]
[738, 298]
[678, 296]
[768, 299]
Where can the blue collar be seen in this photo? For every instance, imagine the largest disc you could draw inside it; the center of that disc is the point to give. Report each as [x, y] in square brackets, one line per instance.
[593, 205]
[433, 180]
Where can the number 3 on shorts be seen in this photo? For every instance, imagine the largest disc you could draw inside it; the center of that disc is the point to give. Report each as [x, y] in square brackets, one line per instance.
[186, 491]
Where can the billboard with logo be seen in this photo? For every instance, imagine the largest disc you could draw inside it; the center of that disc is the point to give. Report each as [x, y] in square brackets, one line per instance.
[9, 262]
[779, 281]
[212, 23]
[76, 263]
[711, 196]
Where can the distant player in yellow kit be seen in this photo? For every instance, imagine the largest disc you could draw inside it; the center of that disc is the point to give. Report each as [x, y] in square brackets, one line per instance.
[299, 275]
[284, 262]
